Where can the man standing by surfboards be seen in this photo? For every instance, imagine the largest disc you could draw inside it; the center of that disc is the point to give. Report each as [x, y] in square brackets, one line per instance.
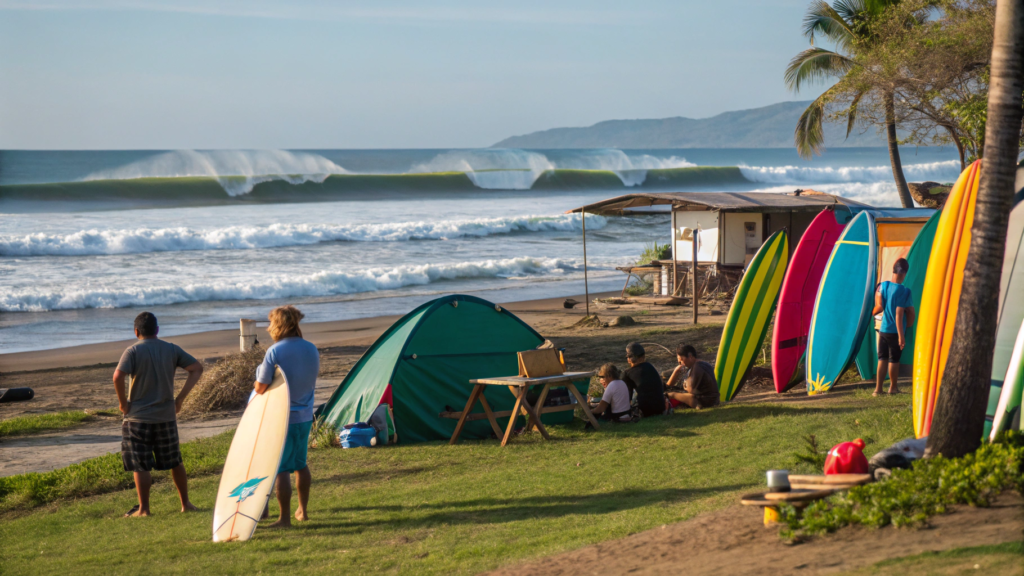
[149, 432]
[896, 304]
[300, 361]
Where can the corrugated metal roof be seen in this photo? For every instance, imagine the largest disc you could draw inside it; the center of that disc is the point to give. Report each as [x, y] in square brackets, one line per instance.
[721, 201]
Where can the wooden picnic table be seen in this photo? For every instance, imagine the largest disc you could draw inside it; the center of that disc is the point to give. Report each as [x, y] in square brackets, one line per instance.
[519, 385]
[805, 489]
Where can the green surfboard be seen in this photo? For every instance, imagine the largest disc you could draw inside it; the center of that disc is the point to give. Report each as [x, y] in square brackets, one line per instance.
[750, 314]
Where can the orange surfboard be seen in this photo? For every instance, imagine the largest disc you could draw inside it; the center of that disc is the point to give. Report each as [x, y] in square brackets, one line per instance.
[940, 298]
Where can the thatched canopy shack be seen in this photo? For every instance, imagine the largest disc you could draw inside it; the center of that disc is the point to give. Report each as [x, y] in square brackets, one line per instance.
[730, 227]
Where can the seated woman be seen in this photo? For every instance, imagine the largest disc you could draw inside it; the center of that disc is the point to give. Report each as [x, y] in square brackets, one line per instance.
[698, 388]
[614, 404]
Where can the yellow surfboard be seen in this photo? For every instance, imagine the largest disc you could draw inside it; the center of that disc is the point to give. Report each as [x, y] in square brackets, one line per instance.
[940, 298]
[252, 462]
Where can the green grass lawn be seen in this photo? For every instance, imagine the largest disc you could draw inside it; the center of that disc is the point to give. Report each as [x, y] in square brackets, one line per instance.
[36, 423]
[1007, 558]
[438, 509]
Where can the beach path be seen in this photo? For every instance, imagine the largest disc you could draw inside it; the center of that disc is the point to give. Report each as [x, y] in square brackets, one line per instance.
[45, 452]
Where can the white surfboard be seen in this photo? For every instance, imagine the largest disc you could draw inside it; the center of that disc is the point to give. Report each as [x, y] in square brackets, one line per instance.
[251, 466]
[1013, 388]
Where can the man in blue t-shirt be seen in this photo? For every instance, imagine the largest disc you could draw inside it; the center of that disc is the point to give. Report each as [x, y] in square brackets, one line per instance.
[894, 301]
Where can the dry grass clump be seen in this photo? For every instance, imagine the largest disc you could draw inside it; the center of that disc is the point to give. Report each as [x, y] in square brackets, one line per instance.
[323, 434]
[224, 386]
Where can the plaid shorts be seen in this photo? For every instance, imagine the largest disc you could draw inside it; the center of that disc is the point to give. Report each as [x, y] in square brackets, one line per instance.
[149, 445]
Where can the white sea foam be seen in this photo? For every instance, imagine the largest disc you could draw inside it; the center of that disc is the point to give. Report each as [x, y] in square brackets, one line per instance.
[877, 194]
[141, 240]
[238, 171]
[938, 171]
[324, 283]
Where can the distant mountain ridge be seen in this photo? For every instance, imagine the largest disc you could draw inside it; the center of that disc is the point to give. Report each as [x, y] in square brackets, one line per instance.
[768, 127]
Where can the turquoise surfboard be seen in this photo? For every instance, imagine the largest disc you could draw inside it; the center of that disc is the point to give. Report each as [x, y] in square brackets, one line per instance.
[842, 309]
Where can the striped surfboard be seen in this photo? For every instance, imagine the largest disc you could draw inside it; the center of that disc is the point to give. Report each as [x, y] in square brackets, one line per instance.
[750, 314]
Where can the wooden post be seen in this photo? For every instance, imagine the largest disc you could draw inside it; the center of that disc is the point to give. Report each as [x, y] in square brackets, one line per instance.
[586, 283]
[693, 273]
[675, 269]
[247, 334]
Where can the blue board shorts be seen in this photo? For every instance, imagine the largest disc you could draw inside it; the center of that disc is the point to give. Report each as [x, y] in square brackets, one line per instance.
[296, 446]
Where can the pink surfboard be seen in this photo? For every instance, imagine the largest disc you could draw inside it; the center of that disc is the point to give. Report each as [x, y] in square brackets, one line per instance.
[796, 300]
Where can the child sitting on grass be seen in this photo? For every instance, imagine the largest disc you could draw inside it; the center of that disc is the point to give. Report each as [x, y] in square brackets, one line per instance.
[614, 404]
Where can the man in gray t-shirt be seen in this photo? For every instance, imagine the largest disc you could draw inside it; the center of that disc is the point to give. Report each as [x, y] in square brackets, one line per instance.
[149, 432]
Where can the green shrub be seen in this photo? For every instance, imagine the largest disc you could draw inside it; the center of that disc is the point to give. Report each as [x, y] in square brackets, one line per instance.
[652, 252]
[811, 455]
[909, 497]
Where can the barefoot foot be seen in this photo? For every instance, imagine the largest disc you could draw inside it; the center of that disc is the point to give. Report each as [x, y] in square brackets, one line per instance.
[301, 515]
[282, 523]
[136, 512]
[188, 507]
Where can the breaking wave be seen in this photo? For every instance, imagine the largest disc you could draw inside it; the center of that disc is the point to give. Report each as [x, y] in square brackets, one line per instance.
[510, 169]
[142, 240]
[237, 171]
[324, 283]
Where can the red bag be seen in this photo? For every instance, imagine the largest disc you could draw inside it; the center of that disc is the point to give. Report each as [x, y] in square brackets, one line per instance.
[847, 458]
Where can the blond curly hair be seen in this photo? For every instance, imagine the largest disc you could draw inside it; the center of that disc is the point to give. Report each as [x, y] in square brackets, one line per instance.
[284, 322]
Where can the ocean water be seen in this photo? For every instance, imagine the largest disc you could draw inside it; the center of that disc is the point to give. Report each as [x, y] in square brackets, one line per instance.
[201, 238]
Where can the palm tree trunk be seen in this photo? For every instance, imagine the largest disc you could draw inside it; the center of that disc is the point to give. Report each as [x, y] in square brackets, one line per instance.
[959, 146]
[960, 411]
[894, 153]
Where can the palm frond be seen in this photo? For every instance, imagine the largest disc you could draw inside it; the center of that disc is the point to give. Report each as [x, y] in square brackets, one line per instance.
[851, 113]
[852, 10]
[815, 64]
[824, 20]
[809, 135]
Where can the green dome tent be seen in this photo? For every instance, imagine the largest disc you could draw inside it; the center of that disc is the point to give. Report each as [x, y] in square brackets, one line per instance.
[423, 363]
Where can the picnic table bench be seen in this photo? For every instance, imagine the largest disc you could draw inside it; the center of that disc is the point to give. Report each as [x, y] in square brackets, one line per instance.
[519, 385]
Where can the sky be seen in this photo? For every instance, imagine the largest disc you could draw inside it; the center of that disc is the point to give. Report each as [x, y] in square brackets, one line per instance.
[256, 74]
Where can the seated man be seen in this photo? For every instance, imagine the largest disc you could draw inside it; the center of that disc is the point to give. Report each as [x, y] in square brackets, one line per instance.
[699, 389]
[614, 404]
[643, 378]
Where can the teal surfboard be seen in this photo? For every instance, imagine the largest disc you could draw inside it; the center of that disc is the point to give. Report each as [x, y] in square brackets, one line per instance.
[842, 309]
[866, 359]
[917, 258]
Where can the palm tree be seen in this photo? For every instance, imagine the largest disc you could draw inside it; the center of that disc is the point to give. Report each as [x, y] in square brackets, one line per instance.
[845, 24]
[960, 410]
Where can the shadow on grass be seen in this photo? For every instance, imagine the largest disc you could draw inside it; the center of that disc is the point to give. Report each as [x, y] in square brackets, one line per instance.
[376, 476]
[679, 423]
[502, 510]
